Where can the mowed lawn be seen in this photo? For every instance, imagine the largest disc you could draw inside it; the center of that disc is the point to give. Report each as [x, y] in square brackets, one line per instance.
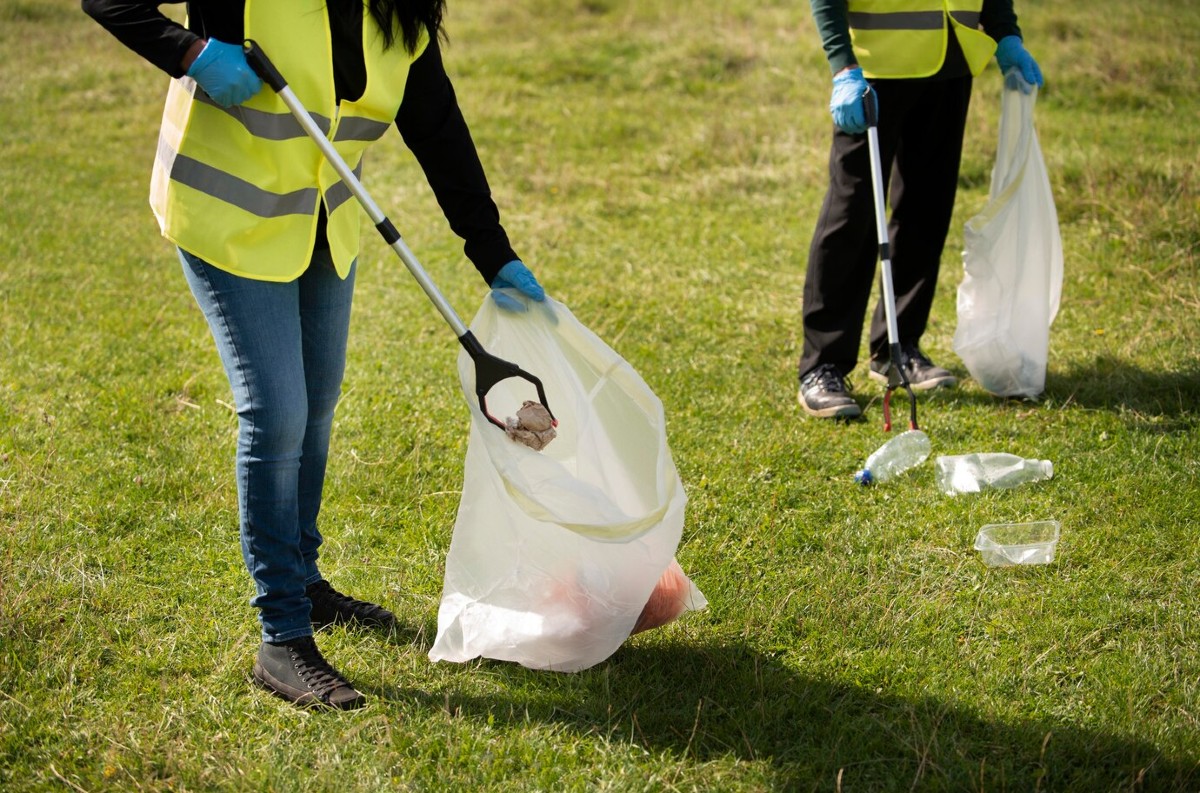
[660, 167]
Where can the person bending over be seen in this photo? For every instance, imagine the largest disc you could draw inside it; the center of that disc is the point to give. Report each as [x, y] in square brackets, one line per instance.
[268, 239]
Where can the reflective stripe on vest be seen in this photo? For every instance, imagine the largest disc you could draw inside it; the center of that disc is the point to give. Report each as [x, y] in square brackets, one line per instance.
[241, 187]
[907, 38]
[244, 195]
[911, 20]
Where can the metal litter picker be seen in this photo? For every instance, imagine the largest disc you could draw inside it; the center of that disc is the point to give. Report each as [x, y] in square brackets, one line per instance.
[896, 375]
[489, 370]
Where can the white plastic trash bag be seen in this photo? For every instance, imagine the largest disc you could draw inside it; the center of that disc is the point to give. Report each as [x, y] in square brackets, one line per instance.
[556, 553]
[1013, 261]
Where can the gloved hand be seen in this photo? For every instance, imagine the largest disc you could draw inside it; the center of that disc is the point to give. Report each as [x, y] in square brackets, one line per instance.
[221, 70]
[516, 275]
[1011, 54]
[846, 104]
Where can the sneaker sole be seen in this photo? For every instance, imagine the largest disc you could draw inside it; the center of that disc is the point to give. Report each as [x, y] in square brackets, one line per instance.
[304, 699]
[949, 381]
[838, 411]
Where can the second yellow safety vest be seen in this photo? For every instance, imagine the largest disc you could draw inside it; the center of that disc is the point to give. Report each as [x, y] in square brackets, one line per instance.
[241, 187]
[908, 38]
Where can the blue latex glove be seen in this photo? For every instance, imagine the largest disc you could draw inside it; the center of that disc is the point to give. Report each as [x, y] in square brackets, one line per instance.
[1011, 54]
[221, 70]
[846, 104]
[516, 275]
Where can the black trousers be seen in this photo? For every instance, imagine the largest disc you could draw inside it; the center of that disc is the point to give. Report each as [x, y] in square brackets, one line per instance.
[920, 129]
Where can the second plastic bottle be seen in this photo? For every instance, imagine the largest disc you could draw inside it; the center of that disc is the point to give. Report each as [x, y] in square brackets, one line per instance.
[970, 473]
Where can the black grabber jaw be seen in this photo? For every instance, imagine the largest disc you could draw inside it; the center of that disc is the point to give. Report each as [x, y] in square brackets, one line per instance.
[490, 370]
[897, 379]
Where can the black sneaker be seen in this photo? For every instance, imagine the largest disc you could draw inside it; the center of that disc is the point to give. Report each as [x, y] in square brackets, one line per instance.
[296, 671]
[922, 373]
[330, 607]
[824, 394]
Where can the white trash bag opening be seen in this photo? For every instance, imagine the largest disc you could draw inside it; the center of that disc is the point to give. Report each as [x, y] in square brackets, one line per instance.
[556, 553]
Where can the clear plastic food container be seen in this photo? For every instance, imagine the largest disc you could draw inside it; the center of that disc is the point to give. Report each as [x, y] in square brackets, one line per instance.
[1007, 544]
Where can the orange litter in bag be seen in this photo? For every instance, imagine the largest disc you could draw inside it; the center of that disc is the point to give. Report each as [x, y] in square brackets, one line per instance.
[671, 597]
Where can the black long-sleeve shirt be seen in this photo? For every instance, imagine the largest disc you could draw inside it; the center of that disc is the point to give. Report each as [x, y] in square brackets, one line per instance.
[429, 119]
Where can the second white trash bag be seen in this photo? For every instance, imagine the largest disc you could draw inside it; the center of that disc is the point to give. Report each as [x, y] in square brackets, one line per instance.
[556, 552]
[1013, 261]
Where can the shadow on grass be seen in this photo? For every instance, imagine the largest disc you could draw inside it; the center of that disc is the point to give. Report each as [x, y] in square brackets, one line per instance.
[1105, 383]
[1111, 383]
[734, 703]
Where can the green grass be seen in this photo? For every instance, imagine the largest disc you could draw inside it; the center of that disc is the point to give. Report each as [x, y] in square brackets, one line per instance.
[660, 166]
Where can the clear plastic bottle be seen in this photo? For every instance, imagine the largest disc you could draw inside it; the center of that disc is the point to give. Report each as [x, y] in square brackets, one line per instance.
[906, 450]
[970, 473]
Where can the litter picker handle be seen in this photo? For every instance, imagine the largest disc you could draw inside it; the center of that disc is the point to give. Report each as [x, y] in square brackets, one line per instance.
[262, 66]
[881, 229]
[870, 106]
[489, 370]
[896, 375]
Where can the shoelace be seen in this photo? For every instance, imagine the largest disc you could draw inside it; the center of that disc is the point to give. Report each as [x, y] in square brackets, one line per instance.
[828, 378]
[917, 365]
[314, 670]
[914, 358]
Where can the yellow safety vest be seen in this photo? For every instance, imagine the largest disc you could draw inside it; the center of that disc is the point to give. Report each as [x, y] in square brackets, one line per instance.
[907, 38]
[241, 187]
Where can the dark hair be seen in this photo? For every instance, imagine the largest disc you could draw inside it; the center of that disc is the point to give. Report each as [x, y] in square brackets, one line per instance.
[406, 18]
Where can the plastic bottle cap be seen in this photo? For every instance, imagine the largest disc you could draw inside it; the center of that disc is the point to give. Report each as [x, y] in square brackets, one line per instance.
[1048, 468]
[864, 477]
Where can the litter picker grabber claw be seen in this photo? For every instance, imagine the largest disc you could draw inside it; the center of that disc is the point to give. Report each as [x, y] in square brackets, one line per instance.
[896, 375]
[489, 370]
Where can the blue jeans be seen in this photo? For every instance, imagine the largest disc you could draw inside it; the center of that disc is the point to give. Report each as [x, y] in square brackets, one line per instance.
[283, 346]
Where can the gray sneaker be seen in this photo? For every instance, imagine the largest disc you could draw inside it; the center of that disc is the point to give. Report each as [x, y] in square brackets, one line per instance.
[922, 373]
[330, 607]
[824, 394]
[296, 671]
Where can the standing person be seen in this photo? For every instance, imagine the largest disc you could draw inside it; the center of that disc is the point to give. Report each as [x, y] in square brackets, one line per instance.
[920, 57]
[268, 238]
